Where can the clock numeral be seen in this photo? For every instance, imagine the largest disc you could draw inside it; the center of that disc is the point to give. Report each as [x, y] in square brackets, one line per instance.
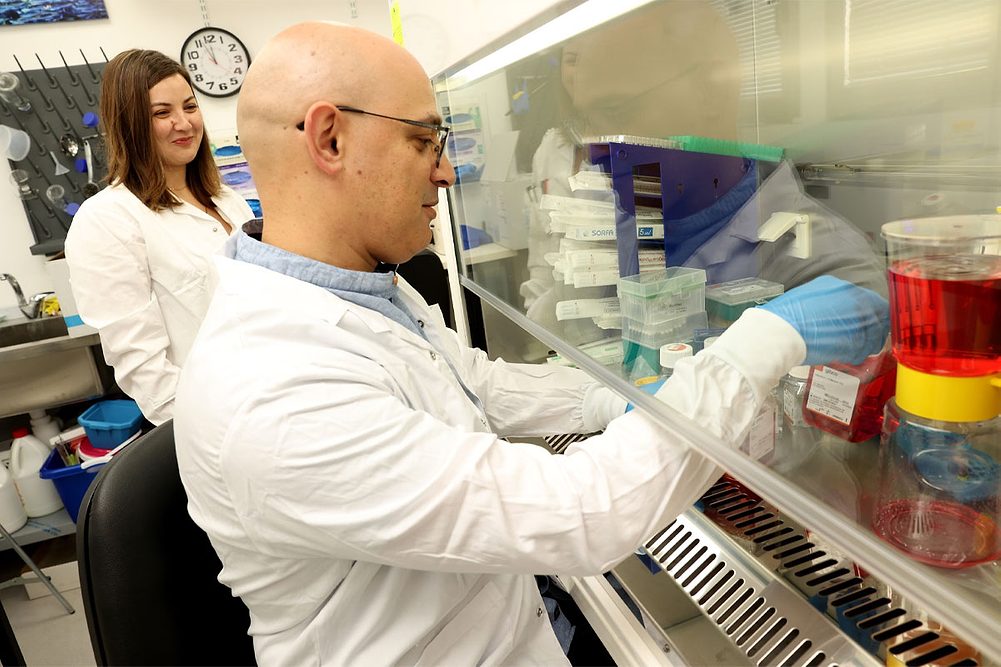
[232, 47]
[198, 43]
[199, 78]
[238, 59]
[193, 55]
[193, 67]
[209, 39]
[223, 86]
[233, 81]
[237, 70]
[210, 83]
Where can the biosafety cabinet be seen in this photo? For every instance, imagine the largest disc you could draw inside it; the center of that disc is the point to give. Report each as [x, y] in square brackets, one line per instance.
[631, 176]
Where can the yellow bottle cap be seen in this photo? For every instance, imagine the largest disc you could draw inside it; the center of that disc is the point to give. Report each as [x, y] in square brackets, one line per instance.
[946, 398]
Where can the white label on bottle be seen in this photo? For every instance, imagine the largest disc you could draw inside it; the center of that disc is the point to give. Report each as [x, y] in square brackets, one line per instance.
[792, 405]
[833, 394]
[761, 437]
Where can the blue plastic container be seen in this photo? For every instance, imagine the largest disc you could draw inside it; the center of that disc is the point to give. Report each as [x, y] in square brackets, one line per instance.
[110, 423]
[71, 482]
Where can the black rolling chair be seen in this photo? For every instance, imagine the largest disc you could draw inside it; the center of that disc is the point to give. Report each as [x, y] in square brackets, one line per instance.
[148, 573]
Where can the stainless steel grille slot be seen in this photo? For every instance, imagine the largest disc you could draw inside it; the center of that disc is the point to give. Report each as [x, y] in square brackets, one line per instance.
[756, 588]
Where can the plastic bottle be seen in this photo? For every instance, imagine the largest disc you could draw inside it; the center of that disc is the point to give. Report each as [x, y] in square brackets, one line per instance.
[27, 454]
[670, 354]
[12, 514]
[847, 401]
[43, 426]
[760, 441]
[798, 438]
[792, 388]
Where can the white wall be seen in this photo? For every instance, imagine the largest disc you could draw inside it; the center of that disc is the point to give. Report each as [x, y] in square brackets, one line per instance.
[162, 26]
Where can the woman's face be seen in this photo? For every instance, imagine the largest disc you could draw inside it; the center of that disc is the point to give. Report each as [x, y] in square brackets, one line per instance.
[177, 121]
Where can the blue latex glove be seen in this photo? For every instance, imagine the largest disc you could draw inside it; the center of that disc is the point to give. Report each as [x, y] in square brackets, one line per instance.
[838, 321]
[649, 388]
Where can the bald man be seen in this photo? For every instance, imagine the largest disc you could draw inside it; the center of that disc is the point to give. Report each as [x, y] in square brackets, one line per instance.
[340, 446]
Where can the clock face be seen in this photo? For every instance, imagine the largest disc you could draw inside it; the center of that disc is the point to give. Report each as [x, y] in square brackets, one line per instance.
[216, 61]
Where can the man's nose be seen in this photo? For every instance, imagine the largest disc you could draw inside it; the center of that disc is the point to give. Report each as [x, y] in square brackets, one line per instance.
[443, 175]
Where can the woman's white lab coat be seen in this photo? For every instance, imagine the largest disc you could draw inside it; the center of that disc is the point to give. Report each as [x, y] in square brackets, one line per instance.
[139, 277]
[363, 507]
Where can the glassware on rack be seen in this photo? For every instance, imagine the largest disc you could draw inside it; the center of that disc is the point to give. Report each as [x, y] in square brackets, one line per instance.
[9, 83]
[14, 143]
[20, 178]
[57, 195]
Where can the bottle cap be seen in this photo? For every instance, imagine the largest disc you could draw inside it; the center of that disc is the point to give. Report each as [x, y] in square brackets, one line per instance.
[709, 341]
[20, 432]
[670, 353]
[800, 372]
[89, 119]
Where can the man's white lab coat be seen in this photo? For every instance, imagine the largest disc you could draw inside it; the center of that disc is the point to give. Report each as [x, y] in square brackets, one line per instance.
[363, 507]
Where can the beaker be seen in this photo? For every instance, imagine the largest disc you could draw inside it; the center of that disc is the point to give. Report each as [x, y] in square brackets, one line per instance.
[14, 143]
[20, 178]
[939, 499]
[945, 294]
[9, 84]
[56, 194]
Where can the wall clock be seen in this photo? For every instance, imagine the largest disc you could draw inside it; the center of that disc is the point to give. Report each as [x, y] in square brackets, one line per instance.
[216, 61]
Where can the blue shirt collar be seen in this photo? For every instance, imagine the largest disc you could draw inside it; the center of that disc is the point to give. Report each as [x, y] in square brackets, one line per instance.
[376, 291]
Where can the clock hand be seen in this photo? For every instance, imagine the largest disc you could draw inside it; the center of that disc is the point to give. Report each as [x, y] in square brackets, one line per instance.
[212, 56]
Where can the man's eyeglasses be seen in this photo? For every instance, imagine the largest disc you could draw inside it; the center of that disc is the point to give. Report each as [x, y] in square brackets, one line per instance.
[441, 130]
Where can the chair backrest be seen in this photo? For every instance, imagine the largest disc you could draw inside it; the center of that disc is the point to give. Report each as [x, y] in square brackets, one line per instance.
[148, 574]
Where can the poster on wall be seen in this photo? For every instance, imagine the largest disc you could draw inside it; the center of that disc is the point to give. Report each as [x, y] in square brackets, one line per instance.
[20, 12]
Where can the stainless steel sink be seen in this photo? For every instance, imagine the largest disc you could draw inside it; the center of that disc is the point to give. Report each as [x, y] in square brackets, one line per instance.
[19, 331]
[42, 366]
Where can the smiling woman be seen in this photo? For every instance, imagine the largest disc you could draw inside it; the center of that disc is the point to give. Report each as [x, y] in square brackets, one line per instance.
[139, 250]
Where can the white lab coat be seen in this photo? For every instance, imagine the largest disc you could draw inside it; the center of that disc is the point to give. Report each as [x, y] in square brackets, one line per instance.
[363, 507]
[139, 277]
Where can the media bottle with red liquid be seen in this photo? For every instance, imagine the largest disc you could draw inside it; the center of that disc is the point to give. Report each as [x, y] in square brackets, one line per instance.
[847, 401]
[946, 316]
[939, 497]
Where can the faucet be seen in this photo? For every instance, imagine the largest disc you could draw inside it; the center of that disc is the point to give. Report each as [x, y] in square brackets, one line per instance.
[30, 307]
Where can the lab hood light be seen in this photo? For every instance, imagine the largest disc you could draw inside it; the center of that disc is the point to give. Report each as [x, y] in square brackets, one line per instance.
[565, 26]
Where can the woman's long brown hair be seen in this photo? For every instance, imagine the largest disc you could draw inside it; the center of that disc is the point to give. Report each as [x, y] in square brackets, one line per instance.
[127, 124]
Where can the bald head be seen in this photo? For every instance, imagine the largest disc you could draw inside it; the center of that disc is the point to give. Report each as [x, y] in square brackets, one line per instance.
[323, 169]
[314, 61]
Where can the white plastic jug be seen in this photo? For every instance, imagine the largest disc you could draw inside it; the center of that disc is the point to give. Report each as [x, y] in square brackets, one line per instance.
[43, 426]
[12, 514]
[27, 454]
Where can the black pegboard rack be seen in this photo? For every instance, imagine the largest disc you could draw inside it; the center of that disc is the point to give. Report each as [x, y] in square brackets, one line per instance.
[60, 96]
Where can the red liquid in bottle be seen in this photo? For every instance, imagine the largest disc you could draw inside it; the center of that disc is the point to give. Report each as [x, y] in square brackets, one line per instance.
[946, 314]
[857, 416]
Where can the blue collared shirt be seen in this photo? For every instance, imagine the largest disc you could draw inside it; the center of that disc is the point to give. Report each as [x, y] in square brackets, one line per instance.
[375, 291]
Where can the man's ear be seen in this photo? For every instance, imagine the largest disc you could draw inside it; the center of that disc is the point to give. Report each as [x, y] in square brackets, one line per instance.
[322, 130]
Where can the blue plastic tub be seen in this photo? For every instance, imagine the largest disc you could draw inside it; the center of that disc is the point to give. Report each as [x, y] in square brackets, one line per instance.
[71, 482]
[110, 423]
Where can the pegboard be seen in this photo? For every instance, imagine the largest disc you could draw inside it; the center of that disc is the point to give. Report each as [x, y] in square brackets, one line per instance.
[61, 122]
